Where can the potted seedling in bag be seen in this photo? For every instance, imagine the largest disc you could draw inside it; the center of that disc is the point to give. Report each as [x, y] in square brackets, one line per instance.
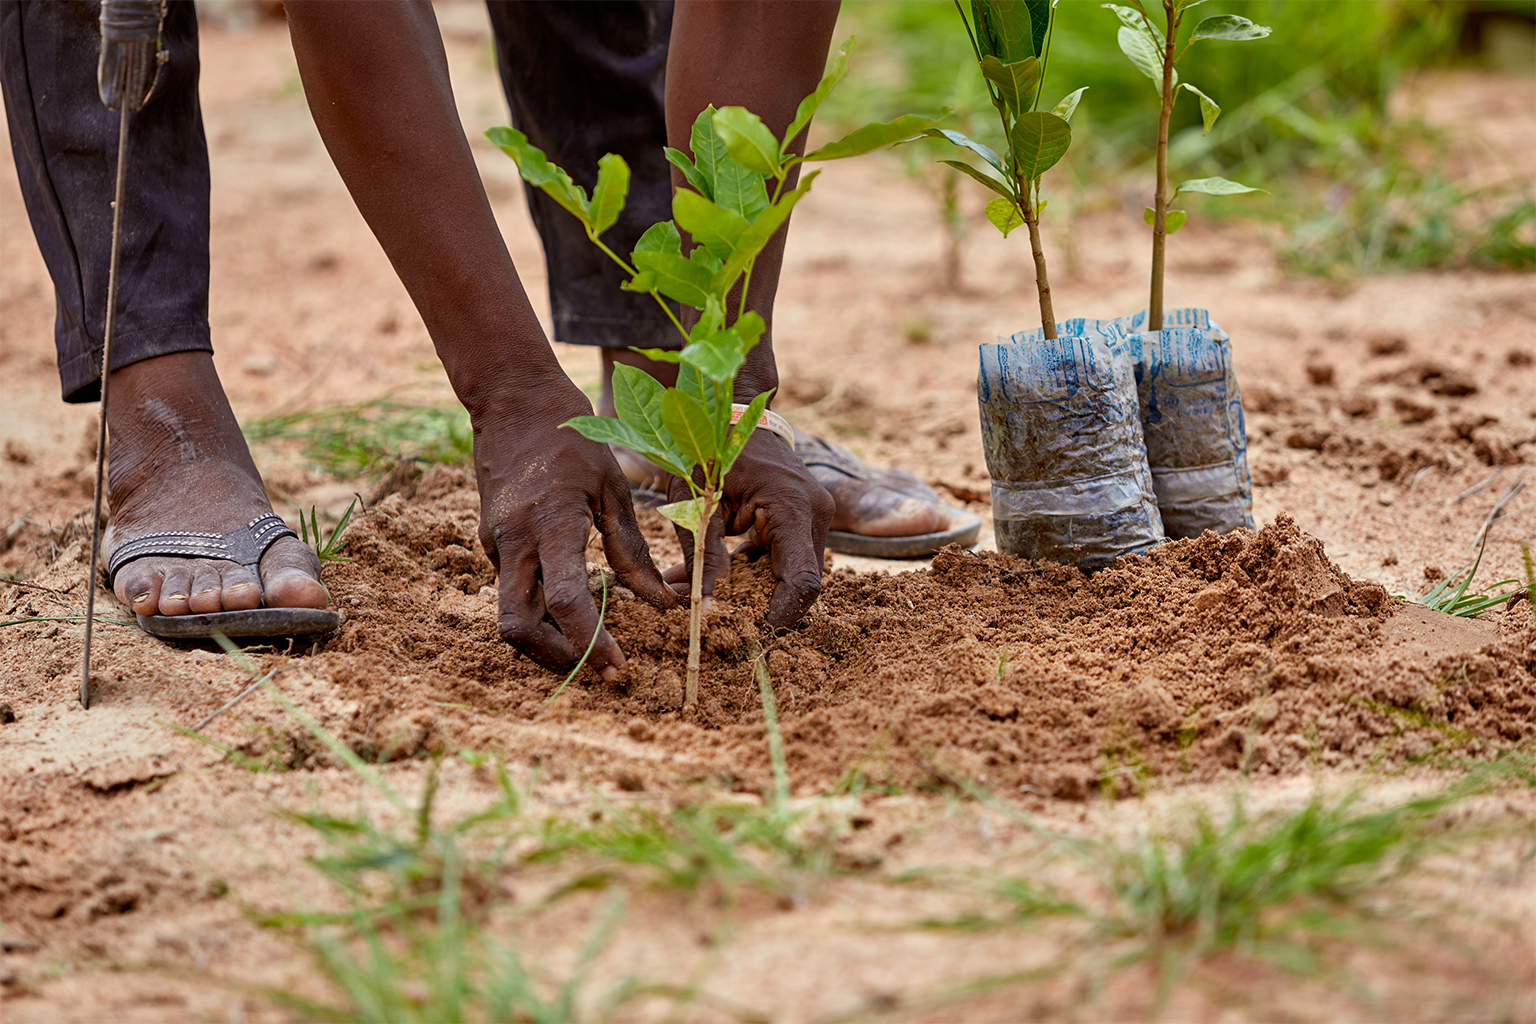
[1192, 416]
[1060, 418]
[695, 431]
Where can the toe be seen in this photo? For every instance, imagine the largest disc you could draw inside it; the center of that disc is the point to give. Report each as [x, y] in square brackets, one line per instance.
[239, 589]
[206, 592]
[290, 575]
[138, 586]
[176, 589]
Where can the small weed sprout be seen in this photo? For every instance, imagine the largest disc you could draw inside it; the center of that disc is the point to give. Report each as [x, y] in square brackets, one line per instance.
[692, 431]
[1451, 595]
[1155, 52]
[1011, 40]
[330, 549]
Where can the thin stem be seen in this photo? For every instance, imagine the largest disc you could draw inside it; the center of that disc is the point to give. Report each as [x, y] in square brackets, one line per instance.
[1042, 279]
[969, 34]
[1045, 57]
[695, 609]
[1160, 200]
[653, 294]
[670, 315]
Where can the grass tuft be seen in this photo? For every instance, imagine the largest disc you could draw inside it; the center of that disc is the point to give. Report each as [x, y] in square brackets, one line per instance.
[370, 438]
[330, 549]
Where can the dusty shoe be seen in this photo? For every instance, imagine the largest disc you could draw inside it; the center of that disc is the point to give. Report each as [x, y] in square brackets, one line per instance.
[882, 513]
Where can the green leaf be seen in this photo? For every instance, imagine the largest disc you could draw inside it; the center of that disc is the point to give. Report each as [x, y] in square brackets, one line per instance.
[1148, 57]
[1004, 215]
[687, 514]
[1039, 141]
[695, 178]
[605, 430]
[637, 401]
[1068, 105]
[1209, 111]
[691, 382]
[990, 182]
[874, 136]
[537, 171]
[1172, 220]
[731, 186]
[757, 235]
[985, 152]
[1215, 187]
[1016, 83]
[718, 355]
[1040, 15]
[708, 150]
[813, 102]
[643, 281]
[1003, 29]
[677, 278]
[1135, 17]
[742, 431]
[1229, 27]
[660, 355]
[748, 140]
[690, 425]
[610, 193]
[661, 237]
[716, 229]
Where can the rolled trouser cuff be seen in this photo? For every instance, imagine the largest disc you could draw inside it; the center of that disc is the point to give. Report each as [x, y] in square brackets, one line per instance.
[77, 371]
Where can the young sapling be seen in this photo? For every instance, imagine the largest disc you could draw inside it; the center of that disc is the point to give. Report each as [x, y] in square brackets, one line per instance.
[1155, 53]
[1011, 40]
[695, 431]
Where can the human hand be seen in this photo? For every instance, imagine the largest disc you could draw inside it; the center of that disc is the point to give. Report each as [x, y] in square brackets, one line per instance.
[770, 493]
[541, 489]
[130, 52]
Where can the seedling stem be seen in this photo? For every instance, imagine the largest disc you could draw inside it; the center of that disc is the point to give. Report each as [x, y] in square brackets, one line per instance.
[1160, 221]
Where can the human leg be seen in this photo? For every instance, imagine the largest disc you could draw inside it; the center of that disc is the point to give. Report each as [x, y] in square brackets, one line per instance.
[177, 459]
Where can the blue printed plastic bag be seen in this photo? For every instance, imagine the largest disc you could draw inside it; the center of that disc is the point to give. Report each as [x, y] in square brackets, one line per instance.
[1191, 414]
[1061, 427]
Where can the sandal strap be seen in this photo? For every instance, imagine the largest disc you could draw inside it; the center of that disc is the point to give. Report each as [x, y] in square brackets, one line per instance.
[244, 544]
[815, 451]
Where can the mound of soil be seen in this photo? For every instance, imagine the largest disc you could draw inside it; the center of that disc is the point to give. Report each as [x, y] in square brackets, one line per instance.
[1244, 652]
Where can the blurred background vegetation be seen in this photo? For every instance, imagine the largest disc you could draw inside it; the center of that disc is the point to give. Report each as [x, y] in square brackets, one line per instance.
[1305, 115]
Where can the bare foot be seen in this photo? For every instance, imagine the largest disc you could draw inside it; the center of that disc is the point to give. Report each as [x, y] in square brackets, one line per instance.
[178, 463]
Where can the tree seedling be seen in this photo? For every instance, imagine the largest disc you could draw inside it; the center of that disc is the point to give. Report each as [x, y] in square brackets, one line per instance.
[1155, 53]
[1011, 40]
[692, 431]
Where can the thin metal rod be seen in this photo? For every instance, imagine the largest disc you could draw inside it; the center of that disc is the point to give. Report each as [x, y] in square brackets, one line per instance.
[106, 377]
[243, 694]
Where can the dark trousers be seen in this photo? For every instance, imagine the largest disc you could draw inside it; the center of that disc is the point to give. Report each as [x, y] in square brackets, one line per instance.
[581, 79]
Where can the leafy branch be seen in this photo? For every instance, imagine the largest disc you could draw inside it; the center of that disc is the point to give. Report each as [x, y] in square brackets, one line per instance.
[1155, 54]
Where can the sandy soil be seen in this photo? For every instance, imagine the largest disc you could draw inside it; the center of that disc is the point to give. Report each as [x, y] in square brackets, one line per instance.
[1386, 421]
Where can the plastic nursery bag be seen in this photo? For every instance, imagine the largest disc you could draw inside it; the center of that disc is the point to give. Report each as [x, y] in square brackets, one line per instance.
[1061, 427]
[1191, 417]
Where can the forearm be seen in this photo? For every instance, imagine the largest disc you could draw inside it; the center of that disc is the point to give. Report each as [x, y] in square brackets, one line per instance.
[376, 77]
[765, 55]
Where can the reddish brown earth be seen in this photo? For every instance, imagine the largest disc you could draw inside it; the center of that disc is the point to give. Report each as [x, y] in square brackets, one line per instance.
[1386, 419]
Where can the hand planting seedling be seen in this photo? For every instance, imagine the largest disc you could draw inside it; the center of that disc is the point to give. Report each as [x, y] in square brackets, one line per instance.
[695, 431]
[1011, 40]
[1155, 52]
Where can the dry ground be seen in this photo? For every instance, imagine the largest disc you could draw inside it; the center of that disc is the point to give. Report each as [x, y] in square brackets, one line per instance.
[1385, 420]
